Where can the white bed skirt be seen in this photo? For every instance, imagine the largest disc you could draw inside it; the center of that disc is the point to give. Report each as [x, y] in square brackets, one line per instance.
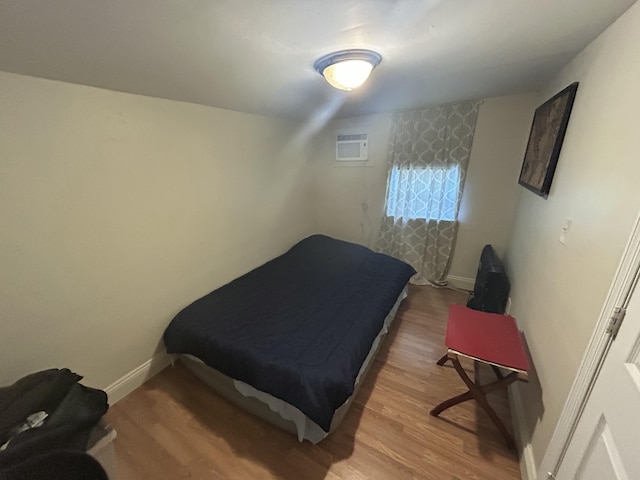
[279, 412]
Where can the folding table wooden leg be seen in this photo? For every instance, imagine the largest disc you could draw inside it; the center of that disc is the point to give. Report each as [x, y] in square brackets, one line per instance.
[478, 393]
[443, 360]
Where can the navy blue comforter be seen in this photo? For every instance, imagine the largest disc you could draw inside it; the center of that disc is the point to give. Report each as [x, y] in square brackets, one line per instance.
[300, 326]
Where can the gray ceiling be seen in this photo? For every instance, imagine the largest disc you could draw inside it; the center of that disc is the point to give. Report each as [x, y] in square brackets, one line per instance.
[257, 55]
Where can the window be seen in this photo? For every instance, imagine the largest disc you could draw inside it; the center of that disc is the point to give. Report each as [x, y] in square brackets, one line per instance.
[430, 193]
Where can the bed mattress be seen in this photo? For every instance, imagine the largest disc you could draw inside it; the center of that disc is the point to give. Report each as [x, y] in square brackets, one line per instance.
[298, 328]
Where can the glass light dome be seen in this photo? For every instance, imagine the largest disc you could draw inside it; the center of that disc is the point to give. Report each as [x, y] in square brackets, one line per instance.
[348, 74]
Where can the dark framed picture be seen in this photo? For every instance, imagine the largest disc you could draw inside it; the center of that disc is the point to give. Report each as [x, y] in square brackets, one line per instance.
[545, 141]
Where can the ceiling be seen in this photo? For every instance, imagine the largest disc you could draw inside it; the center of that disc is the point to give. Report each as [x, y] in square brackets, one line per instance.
[257, 55]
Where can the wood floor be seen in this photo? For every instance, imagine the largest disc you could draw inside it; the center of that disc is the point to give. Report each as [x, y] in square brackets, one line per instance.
[173, 427]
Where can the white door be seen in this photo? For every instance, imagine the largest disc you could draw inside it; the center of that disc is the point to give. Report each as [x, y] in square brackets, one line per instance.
[606, 443]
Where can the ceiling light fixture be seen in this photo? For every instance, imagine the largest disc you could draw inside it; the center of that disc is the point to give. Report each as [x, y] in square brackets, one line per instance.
[347, 69]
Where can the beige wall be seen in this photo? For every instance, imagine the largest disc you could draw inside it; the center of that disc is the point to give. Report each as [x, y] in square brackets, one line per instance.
[117, 210]
[340, 190]
[558, 291]
[488, 203]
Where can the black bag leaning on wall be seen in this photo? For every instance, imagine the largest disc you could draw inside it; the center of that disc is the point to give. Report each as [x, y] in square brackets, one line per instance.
[70, 411]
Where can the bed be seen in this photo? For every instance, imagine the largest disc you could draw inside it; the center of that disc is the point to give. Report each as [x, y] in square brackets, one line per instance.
[292, 339]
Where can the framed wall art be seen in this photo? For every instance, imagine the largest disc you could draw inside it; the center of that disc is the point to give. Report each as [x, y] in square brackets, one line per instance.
[545, 141]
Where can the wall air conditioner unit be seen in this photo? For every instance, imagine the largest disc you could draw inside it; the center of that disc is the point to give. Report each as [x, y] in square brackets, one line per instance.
[352, 147]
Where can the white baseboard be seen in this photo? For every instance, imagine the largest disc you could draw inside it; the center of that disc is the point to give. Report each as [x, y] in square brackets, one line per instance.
[464, 283]
[527, 462]
[136, 377]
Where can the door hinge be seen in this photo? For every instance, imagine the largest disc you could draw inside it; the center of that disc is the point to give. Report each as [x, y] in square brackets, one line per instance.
[615, 321]
[551, 476]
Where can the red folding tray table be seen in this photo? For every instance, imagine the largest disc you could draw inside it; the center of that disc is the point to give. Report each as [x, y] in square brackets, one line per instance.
[489, 338]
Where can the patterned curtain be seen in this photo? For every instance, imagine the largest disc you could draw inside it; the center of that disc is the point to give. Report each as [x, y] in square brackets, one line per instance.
[428, 156]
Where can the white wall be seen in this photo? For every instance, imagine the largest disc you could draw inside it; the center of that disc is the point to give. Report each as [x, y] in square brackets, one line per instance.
[117, 210]
[558, 291]
[491, 188]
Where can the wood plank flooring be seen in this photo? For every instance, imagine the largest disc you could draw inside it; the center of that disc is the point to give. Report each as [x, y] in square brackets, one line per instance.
[174, 427]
